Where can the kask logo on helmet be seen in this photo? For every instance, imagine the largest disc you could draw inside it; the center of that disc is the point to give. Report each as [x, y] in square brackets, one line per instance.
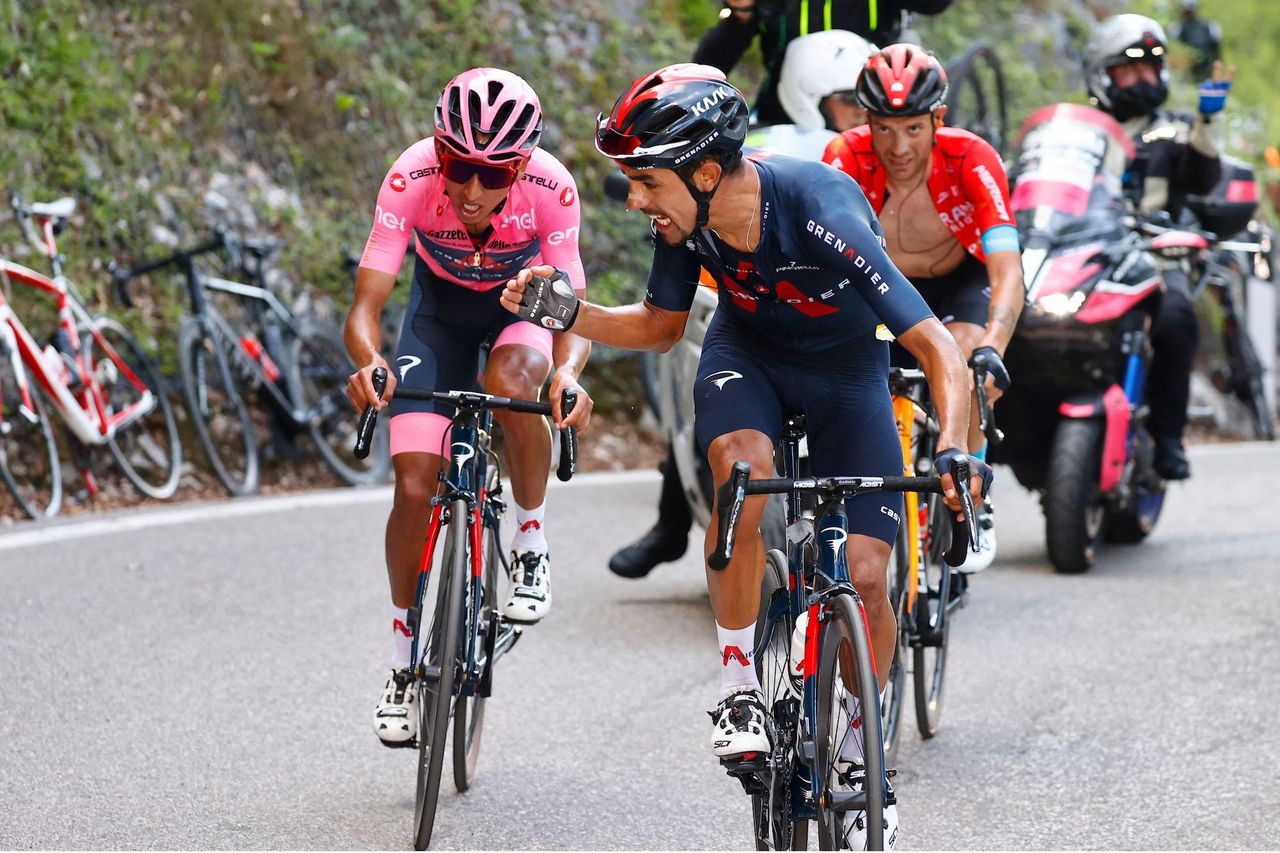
[711, 100]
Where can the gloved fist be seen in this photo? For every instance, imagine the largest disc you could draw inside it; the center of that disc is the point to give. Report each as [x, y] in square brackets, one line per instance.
[986, 360]
[1213, 96]
[945, 463]
[550, 302]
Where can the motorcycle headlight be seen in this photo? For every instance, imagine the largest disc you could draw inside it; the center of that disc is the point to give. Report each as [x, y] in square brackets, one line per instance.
[1061, 304]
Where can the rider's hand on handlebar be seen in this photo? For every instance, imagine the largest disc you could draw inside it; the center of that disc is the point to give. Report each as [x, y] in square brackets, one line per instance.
[565, 380]
[980, 476]
[360, 386]
[986, 360]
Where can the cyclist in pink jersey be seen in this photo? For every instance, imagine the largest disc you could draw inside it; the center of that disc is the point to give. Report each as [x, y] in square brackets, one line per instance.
[482, 202]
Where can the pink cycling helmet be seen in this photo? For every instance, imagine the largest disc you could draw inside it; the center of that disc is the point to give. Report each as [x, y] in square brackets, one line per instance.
[489, 115]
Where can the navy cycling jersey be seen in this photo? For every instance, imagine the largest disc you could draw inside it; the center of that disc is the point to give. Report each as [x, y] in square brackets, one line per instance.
[819, 276]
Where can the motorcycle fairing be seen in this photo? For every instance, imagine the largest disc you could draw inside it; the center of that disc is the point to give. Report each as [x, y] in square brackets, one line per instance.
[1113, 406]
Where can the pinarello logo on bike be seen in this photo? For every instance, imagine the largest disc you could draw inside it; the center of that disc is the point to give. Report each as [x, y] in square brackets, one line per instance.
[567, 197]
[397, 182]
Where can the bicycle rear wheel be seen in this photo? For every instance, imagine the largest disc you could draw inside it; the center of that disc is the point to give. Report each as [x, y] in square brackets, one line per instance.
[207, 364]
[850, 809]
[29, 463]
[468, 711]
[771, 810]
[932, 621]
[147, 450]
[437, 675]
[320, 367]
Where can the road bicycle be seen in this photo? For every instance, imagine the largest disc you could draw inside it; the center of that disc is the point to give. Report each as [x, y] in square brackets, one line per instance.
[455, 612]
[95, 374]
[802, 778]
[923, 588]
[249, 341]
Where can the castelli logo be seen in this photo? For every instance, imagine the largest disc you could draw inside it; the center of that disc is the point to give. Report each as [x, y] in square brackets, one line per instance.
[397, 182]
[567, 197]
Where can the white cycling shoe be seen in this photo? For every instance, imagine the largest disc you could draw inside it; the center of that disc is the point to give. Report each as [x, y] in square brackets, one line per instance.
[530, 587]
[975, 563]
[396, 719]
[850, 774]
[739, 724]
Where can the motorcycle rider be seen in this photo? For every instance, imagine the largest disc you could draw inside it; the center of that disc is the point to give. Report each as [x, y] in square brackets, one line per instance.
[1177, 155]
[816, 89]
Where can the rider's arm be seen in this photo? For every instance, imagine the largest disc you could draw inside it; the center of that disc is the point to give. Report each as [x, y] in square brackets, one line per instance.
[642, 326]
[363, 335]
[1008, 295]
[723, 45]
[943, 363]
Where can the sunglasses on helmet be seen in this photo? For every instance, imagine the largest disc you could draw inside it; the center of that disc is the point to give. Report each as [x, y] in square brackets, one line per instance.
[493, 176]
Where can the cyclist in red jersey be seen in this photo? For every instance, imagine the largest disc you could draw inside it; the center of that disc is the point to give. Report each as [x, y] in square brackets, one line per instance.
[482, 202]
[942, 196]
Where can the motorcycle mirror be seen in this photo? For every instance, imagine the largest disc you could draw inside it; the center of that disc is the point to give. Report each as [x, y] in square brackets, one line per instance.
[616, 186]
[1178, 244]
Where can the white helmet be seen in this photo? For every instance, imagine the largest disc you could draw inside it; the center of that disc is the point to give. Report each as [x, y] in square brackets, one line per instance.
[1115, 41]
[816, 66]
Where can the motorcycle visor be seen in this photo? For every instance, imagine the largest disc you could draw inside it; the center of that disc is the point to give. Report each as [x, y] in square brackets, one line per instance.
[492, 176]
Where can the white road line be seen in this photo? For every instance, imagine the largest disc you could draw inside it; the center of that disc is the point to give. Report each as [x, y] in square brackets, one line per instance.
[28, 534]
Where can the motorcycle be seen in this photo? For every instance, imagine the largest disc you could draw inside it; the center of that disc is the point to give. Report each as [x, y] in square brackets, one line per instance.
[1075, 422]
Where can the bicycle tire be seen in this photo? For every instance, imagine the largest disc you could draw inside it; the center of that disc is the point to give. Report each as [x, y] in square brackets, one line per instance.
[216, 405]
[468, 711]
[148, 451]
[435, 697]
[932, 628]
[34, 480]
[771, 826]
[969, 75]
[1249, 383]
[320, 367]
[844, 642]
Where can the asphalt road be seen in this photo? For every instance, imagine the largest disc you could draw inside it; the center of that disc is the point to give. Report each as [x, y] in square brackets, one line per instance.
[206, 679]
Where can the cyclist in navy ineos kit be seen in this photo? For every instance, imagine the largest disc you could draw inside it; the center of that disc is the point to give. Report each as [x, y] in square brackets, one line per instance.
[804, 282]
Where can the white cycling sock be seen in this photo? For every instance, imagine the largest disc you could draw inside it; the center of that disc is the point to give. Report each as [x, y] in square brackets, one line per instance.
[529, 534]
[401, 638]
[737, 659]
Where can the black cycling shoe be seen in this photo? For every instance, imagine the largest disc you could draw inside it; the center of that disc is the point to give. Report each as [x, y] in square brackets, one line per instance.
[657, 546]
[1171, 460]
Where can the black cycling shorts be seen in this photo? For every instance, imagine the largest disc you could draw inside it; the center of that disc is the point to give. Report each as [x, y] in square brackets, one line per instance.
[745, 382]
[961, 296]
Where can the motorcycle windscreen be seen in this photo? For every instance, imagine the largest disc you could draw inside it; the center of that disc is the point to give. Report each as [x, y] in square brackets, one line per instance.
[1070, 172]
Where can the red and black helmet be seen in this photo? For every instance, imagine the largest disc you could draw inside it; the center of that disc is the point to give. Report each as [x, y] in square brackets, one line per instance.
[674, 117]
[902, 80]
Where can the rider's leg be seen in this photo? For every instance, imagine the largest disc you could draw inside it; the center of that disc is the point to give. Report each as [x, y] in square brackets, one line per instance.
[968, 335]
[1174, 336]
[669, 536]
[518, 366]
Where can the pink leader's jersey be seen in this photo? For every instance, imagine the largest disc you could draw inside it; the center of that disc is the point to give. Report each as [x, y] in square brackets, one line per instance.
[537, 224]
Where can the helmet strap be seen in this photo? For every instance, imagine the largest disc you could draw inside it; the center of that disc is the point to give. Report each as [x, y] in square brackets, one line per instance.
[701, 197]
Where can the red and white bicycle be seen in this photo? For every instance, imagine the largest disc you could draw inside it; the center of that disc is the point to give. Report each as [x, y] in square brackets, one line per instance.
[92, 371]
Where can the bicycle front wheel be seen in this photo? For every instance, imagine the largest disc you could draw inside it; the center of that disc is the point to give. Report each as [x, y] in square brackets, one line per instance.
[895, 681]
[468, 711]
[850, 783]
[218, 411]
[320, 369]
[934, 601]
[29, 463]
[438, 673]
[771, 810]
[147, 448]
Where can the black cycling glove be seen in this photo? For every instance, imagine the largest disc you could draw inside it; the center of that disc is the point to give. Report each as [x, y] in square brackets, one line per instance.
[945, 463]
[987, 360]
[550, 302]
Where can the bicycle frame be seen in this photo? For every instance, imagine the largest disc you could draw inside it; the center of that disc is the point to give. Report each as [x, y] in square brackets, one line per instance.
[85, 410]
[466, 480]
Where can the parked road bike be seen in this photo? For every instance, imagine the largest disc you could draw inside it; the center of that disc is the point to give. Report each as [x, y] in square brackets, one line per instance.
[239, 339]
[459, 632]
[804, 777]
[1239, 251]
[95, 374]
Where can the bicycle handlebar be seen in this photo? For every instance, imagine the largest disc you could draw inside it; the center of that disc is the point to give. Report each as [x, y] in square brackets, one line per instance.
[986, 414]
[120, 277]
[474, 400]
[733, 493]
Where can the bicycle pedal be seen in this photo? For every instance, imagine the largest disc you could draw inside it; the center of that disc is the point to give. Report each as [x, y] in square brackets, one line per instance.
[747, 769]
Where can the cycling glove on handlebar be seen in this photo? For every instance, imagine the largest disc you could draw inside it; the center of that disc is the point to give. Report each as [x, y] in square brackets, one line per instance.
[988, 360]
[946, 461]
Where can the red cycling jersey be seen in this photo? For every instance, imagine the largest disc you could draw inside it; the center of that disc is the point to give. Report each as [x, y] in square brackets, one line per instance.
[968, 184]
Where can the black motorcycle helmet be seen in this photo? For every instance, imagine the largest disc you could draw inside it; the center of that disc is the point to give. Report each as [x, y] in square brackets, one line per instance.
[674, 118]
